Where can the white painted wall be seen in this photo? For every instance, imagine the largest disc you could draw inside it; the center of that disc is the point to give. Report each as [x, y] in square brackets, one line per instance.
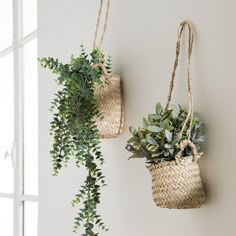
[141, 38]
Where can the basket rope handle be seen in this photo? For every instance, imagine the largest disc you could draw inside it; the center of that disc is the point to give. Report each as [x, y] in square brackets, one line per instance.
[98, 24]
[186, 142]
[100, 64]
[190, 97]
[182, 145]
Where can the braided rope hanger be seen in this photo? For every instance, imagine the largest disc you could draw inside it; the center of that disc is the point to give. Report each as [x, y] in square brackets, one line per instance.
[186, 142]
[98, 24]
[100, 64]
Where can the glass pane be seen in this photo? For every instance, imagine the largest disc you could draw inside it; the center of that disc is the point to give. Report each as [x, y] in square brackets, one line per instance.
[6, 123]
[29, 16]
[6, 23]
[30, 118]
[31, 219]
[6, 217]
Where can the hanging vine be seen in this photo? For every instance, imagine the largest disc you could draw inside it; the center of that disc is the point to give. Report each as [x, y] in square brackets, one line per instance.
[75, 133]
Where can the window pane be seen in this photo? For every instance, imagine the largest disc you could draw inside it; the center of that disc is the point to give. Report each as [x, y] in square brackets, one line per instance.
[6, 217]
[6, 23]
[30, 118]
[31, 219]
[29, 16]
[6, 123]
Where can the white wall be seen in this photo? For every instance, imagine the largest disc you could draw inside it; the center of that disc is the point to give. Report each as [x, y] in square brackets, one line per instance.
[141, 39]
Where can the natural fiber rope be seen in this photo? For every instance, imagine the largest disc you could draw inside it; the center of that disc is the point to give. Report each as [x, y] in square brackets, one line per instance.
[100, 64]
[190, 47]
[182, 145]
[98, 24]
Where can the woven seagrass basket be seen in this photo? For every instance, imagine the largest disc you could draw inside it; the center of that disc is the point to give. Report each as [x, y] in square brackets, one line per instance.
[177, 184]
[109, 94]
[111, 107]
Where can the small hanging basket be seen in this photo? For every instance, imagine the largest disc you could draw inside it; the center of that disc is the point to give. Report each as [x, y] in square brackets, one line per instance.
[111, 107]
[177, 184]
[108, 94]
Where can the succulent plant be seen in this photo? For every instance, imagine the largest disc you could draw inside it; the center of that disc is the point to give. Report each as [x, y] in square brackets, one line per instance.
[156, 140]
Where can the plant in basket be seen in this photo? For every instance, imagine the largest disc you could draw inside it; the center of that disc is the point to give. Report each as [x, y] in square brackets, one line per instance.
[74, 130]
[170, 141]
[157, 140]
[86, 108]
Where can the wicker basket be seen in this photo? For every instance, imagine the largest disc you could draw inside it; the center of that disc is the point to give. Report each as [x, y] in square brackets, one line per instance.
[109, 95]
[111, 106]
[177, 184]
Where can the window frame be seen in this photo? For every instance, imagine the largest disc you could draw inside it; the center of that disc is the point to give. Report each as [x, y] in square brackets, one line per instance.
[18, 42]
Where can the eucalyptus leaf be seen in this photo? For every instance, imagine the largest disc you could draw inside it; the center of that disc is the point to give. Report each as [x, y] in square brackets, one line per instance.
[75, 133]
[155, 116]
[159, 109]
[157, 154]
[145, 123]
[151, 140]
[154, 129]
[132, 130]
[168, 135]
[168, 146]
[134, 139]
[135, 155]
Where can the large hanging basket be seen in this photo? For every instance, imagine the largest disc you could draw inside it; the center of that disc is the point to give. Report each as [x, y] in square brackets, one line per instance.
[177, 184]
[110, 105]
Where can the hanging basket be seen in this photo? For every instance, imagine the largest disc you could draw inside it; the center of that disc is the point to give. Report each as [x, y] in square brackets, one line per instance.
[110, 105]
[108, 94]
[177, 184]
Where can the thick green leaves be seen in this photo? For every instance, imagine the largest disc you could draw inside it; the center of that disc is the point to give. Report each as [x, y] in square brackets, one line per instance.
[151, 140]
[168, 135]
[154, 128]
[132, 130]
[157, 140]
[133, 140]
[159, 109]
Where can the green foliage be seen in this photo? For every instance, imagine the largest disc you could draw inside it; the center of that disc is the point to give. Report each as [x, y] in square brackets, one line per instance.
[74, 130]
[157, 140]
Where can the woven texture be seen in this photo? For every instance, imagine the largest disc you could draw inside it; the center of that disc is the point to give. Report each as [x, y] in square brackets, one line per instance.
[111, 107]
[177, 186]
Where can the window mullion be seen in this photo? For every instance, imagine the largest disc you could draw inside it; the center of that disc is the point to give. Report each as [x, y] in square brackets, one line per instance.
[18, 104]
[6, 51]
[28, 38]
[7, 195]
[29, 198]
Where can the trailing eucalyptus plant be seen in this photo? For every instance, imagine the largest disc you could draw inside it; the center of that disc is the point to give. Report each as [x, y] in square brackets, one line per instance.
[74, 130]
[157, 140]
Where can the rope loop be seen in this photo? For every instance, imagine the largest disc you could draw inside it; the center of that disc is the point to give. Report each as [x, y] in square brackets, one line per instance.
[99, 45]
[190, 97]
[186, 142]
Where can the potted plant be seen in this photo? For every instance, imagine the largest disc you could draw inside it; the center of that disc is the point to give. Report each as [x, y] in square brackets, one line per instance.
[158, 142]
[170, 141]
[87, 107]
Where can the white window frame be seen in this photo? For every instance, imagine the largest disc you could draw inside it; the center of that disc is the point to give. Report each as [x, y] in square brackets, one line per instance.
[18, 196]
